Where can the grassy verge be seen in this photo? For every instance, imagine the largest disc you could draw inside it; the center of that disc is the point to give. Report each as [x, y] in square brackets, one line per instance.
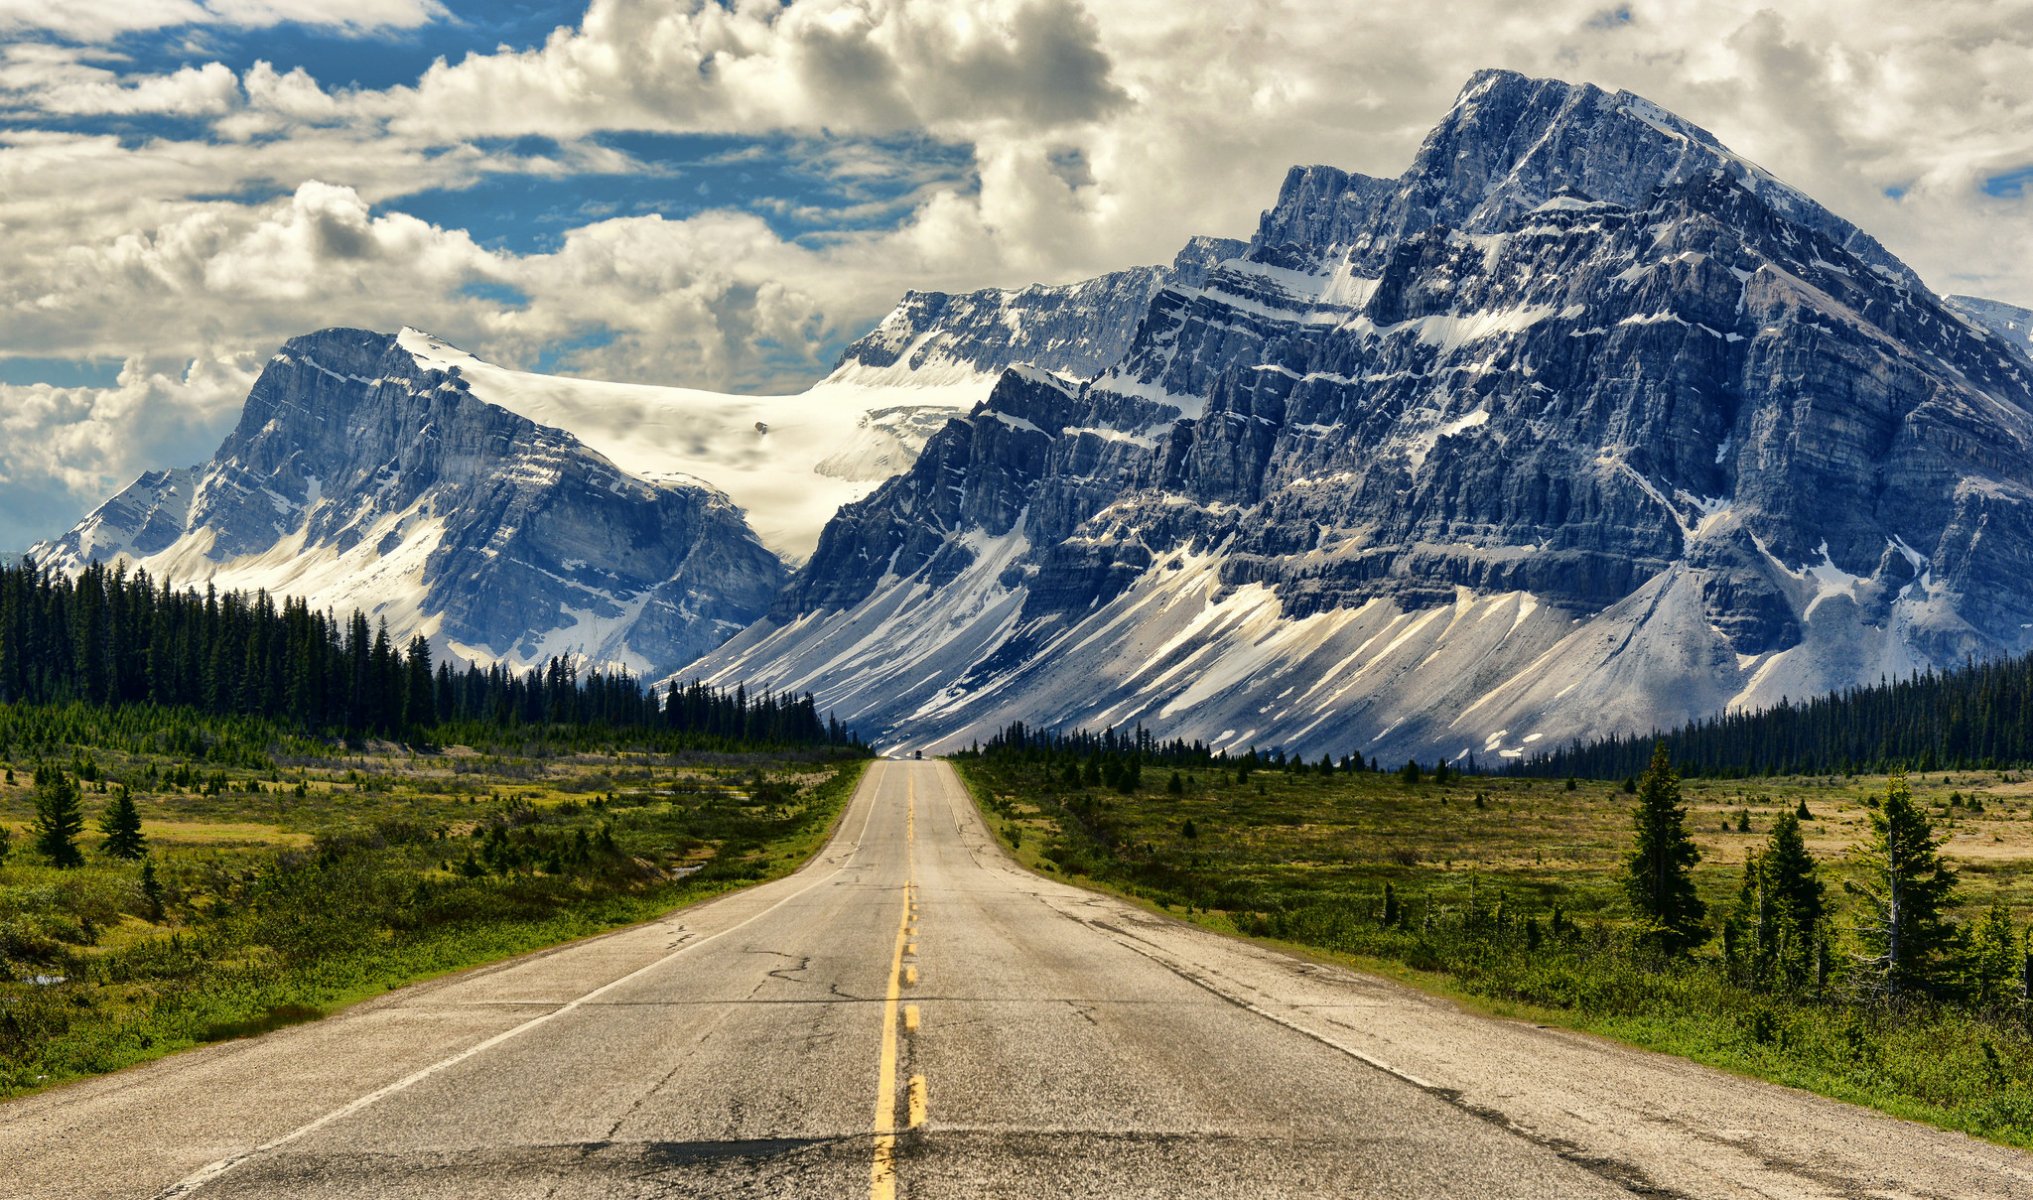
[286, 890]
[1476, 872]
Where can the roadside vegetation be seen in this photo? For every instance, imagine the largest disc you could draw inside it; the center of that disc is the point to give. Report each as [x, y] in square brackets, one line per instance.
[1862, 936]
[169, 878]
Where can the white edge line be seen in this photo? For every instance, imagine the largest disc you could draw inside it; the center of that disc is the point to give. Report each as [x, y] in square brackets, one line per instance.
[212, 1171]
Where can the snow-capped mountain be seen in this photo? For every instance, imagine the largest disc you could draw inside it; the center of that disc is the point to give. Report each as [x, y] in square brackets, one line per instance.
[2008, 321]
[1584, 424]
[513, 516]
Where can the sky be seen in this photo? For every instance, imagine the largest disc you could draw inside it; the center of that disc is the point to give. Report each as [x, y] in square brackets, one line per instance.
[722, 195]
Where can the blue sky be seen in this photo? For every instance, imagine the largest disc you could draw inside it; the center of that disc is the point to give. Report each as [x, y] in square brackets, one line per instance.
[722, 194]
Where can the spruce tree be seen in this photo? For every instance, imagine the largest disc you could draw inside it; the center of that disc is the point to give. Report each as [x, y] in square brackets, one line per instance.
[59, 817]
[1659, 873]
[151, 890]
[121, 824]
[1775, 935]
[1994, 965]
[420, 699]
[1903, 931]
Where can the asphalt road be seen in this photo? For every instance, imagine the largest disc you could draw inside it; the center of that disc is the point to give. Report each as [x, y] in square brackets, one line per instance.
[912, 1015]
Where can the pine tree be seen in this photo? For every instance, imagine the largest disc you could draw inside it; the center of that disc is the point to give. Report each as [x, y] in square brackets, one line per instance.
[1903, 930]
[1775, 935]
[151, 890]
[6, 844]
[59, 817]
[1175, 785]
[420, 701]
[1660, 869]
[122, 826]
[1994, 965]
[1392, 915]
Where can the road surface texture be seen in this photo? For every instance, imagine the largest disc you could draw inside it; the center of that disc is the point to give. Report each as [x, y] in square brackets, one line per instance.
[912, 1015]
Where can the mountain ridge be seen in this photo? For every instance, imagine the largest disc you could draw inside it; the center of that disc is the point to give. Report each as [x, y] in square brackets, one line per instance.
[1582, 424]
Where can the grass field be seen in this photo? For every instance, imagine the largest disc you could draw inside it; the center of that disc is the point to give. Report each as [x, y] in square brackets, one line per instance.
[1304, 859]
[294, 887]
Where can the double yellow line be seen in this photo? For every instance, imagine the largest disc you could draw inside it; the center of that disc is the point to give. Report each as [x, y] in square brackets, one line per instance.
[882, 1171]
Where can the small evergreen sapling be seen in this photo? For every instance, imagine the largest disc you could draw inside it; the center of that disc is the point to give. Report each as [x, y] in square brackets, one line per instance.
[1659, 872]
[151, 890]
[1994, 967]
[59, 817]
[121, 824]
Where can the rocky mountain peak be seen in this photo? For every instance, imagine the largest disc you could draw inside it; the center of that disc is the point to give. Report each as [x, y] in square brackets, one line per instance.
[1584, 424]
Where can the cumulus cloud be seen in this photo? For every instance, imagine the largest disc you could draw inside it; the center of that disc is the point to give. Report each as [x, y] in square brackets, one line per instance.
[761, 65]
[1095, 135]
[67, 448]
[102, 20]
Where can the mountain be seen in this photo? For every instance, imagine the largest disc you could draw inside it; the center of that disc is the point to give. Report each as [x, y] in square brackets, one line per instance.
[363, 474]
[1583, 425]
[2008, 321]
[512, 516]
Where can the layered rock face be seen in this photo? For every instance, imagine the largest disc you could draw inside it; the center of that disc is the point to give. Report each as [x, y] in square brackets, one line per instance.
[358, 477]
[1582, 425]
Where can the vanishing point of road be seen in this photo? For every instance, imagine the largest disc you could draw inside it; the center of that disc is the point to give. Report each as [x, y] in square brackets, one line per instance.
[913, 1015]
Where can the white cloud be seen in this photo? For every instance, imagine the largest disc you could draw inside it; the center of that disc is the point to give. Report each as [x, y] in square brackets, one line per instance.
[59, 80]
[69, 448]
[759, 65]
[102, 20]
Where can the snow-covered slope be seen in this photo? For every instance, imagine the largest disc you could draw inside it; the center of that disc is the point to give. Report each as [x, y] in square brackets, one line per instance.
[1582, 425]
[789, 462]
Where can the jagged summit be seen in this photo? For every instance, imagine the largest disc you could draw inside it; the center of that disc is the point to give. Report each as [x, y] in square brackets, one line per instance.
[1512, 143]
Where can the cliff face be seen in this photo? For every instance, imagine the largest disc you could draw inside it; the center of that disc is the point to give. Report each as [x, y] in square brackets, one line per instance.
[1582, 425]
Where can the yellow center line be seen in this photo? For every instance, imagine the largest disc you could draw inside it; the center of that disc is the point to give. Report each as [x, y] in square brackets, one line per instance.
[917, 1102]
[882, 1171]
[910, 1018]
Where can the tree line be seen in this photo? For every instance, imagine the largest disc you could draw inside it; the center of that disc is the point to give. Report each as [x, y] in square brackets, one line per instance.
[1977, 716]
[111, 638]
[1021, 742]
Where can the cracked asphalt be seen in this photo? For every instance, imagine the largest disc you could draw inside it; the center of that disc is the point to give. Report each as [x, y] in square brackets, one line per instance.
[913, 1015]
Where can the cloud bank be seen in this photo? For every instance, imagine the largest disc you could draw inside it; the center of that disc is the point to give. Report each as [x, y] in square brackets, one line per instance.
[185, 216]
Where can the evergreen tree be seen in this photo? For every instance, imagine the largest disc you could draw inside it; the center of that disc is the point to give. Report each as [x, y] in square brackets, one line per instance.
[151, 890]
[1903, 931]
[420, 701]
[6, 844]
[1775, 936]
[59, 817]
[121, 824]
[1995, 967]
[1659, 873]
[1176, 785]
[1392, 915]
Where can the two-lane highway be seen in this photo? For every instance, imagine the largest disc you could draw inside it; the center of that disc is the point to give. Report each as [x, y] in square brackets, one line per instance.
[912, 1015]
